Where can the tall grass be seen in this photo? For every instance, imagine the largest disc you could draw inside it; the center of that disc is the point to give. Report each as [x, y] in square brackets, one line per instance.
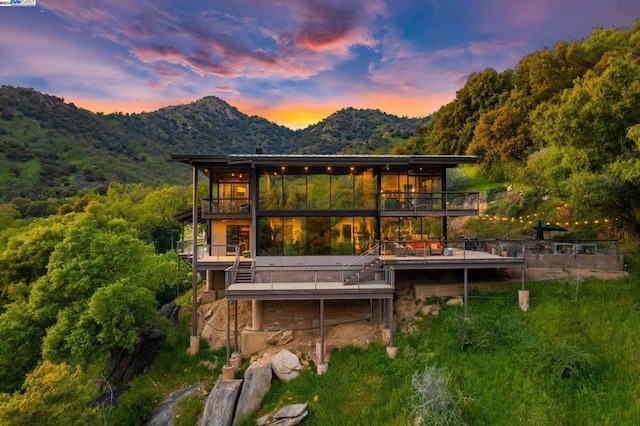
[569, 360]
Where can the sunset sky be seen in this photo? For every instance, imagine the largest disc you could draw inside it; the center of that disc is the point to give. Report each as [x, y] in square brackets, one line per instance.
[292, 62]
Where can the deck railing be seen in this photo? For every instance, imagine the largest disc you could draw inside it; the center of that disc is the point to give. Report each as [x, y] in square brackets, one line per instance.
[217, 252]
[458, 248]
[573, 247]
[427, 201]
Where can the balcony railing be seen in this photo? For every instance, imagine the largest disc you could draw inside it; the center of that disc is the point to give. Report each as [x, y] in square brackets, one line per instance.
[429, 201]
[217, 252]
[225, 206]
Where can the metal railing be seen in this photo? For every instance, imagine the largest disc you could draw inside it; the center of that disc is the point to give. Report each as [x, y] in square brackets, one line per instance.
[458, 248]
[359, 262]
[573, 247]
[427, 201]
[217, 252]
[225, 205]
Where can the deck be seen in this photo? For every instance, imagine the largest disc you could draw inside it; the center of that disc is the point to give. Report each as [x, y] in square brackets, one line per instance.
[313, 282]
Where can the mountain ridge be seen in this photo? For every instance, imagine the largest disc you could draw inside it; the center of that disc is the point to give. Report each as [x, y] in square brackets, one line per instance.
[52, 149]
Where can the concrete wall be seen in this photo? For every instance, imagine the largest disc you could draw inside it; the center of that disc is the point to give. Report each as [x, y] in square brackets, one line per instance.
[576, 261]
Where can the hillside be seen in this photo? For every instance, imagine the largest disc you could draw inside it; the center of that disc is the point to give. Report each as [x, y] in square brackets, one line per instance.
[53, 149]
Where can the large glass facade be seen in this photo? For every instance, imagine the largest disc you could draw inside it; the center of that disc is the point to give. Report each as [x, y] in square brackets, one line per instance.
[409, 189]
[315, 235]
[410, 228]
[297, 189]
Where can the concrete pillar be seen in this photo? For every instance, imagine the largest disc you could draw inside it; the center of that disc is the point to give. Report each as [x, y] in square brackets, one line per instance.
[392, 351]
[211, 280]
[256, 315]
[321, 349]
[228, 372]
[194, 344]
[523, 300]
[322, 368]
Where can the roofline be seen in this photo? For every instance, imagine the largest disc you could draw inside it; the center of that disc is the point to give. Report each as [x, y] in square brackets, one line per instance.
[305, 160]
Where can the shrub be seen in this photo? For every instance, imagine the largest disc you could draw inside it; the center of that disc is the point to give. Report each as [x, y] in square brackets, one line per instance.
[567, 361]
[472, 332]
[434, 402]
[134, 408]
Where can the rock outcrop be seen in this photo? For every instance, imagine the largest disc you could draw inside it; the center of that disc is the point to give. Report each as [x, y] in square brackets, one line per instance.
[286, 365]
[257, 383]
[221, 403]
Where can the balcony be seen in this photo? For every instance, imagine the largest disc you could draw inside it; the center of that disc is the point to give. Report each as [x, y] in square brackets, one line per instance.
[399, 203]
[226, 207]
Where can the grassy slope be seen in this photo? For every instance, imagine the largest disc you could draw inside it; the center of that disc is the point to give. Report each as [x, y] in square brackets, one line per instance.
[502, 361]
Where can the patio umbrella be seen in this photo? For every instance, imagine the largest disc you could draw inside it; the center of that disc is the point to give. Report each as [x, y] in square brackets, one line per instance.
[540, 228]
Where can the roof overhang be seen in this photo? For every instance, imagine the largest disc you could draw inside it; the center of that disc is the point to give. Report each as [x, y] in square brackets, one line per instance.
[254, 160]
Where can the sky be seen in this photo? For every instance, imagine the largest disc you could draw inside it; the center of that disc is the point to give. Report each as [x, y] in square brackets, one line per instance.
[291, 62]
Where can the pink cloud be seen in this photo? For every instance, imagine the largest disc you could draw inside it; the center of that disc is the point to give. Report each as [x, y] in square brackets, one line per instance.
[317, 35]
[226, 89]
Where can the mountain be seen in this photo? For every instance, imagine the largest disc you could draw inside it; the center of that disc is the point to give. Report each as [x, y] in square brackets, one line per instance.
[52, 149]
[355, 131]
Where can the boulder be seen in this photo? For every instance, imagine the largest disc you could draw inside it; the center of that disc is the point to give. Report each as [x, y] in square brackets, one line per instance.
[257, 383]
[165, 413]
[280, 338]
[286, 416]
[221, 403]
[286, 365]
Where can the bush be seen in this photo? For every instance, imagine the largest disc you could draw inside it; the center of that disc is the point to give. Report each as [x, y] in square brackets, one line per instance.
[434, 402]
[134, 408]
[471, 332]
[567, 361]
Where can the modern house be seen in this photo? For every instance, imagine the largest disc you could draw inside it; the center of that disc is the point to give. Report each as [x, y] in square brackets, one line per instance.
[326, 227]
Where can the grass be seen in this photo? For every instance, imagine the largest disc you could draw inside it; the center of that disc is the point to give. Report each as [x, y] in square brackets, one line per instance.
[572, 359]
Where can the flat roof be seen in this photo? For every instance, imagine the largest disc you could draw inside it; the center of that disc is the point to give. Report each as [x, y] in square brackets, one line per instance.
[304, 160]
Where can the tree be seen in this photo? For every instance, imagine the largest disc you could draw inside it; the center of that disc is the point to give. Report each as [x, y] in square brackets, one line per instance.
[20, 339]
[451, 129]
[53, 394]
[594, 116]
[26, 255]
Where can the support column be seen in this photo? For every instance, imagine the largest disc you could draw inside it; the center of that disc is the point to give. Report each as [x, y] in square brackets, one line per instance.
[322, 365]
[228, 332]
[466, 293]
[235, 326]
[392, 350]
[211, 280]
[194, 341]
[256, 315]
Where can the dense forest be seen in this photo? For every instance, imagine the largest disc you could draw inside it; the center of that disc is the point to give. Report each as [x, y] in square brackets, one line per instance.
[86, 227]
[564, 124]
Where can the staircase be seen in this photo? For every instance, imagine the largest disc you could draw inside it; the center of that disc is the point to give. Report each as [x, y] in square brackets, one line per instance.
[367, 273]
[244, 274]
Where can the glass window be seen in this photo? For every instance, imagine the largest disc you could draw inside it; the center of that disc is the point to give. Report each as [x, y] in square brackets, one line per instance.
[270, 236]
[295, 192]
[366, 190]
[319, 191]
[318, 235]
[342, 192]
[270, 197]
